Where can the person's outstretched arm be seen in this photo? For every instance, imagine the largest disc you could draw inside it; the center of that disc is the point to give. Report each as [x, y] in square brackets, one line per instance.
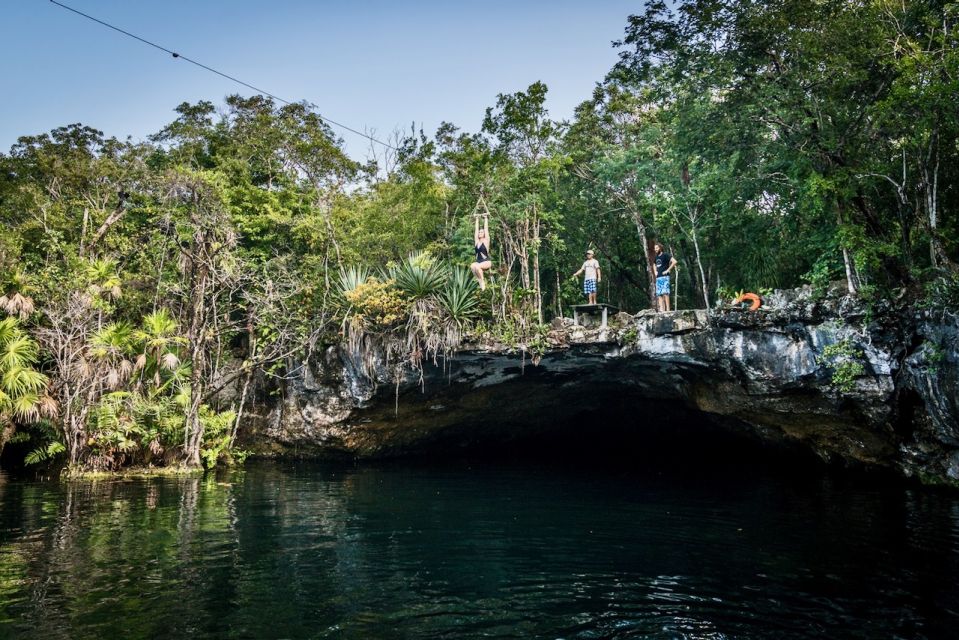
[489, 240]
[475, 230]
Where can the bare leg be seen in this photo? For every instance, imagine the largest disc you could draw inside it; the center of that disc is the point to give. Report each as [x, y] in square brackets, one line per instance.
[477, 269]
[666, 302]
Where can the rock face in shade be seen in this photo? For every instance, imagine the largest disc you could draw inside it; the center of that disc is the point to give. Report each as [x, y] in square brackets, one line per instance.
[759, 373]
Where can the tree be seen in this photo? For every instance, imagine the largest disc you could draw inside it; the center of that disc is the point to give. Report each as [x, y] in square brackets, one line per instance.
[525, 140]
[23, 389]
[208, 269]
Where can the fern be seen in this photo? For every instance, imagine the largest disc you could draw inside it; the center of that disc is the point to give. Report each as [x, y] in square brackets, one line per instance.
[42, 454]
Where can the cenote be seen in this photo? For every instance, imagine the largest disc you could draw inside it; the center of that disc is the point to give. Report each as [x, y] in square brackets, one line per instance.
[690, 535]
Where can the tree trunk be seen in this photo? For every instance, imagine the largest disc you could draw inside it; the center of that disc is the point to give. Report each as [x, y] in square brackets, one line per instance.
[558, 296]
[702, 273]
[851, 279]
[111, 220]
[538, 292]
[196, 338]
[647, 255]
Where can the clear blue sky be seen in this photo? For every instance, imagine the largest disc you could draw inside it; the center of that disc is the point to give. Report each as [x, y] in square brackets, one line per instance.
[371, 64]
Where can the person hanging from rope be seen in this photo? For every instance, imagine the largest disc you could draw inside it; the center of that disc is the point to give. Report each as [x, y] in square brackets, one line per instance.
[593, 275]
[664, 264]
[482, 246]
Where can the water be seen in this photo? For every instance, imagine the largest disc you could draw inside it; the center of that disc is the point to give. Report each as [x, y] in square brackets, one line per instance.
[483, 549]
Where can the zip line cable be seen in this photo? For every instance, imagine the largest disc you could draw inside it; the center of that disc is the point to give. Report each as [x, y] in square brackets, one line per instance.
[221, 74]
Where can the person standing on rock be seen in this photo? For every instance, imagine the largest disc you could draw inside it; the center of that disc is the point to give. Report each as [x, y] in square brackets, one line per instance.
[664, 264]
[593, 275]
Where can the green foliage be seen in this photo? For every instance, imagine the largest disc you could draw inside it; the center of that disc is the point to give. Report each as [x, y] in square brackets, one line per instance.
[113, 430]
[216, 434]
[379, 305]
[536, 341]
[44, 453]
[22, 388]
[419, 276]
[845, 360]
[458, 298]
[351, 278]
[942, 292]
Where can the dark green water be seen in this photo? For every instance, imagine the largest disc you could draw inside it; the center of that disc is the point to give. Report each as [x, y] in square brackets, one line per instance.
[491, 549]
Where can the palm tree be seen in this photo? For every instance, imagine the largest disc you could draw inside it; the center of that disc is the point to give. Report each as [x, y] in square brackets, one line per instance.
[110, 346]
[159, 344]
[16, 302]
[102, 275]
[23, 397]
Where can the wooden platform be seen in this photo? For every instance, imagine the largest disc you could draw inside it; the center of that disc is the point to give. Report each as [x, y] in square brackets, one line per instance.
[593, 309]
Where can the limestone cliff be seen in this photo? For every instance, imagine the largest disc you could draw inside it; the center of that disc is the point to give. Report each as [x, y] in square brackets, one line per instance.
[760, 372]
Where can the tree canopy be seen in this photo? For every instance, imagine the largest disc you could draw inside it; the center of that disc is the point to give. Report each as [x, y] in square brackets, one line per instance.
[765, 143]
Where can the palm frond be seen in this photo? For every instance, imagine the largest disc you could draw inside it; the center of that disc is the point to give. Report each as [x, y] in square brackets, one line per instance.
[42, 453]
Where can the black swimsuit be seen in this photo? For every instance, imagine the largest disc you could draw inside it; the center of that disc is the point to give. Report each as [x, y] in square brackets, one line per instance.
[482, 255]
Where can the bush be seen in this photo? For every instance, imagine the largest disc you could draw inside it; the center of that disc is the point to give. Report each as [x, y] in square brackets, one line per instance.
[845, 360]
[379, 305]
[217, 433]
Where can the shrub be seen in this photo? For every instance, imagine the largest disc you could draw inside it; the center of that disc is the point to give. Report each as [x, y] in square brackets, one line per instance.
[217, 433]
[845, 360]
[378, 305]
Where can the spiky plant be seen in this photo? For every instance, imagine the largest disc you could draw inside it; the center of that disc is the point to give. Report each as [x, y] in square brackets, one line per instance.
[418, 278]
[17, 302]
[458, 299]
[103, 278]
[351, 278]
[22, 388]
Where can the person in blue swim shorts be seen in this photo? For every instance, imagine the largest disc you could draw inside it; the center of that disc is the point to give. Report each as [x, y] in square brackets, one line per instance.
[593, 274]
[664, 264]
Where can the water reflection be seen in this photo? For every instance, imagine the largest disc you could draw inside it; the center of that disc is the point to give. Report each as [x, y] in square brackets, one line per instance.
[497, 550]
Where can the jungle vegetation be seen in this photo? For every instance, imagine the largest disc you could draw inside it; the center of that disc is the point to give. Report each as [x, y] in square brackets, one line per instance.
[766, 143]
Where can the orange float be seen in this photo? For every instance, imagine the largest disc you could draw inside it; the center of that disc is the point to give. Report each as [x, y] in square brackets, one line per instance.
[749, 297]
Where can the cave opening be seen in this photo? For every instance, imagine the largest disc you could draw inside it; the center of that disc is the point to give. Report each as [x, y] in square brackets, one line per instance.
[595, 423]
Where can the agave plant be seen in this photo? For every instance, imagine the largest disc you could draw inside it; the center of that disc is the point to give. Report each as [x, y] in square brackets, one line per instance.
[419, 278]
[351, 278]
[458, 298]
